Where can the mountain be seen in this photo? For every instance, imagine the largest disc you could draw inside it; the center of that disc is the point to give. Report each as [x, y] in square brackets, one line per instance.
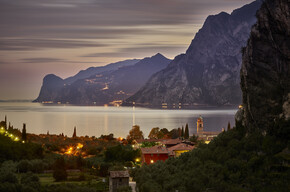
[265, 73]
[103, 87]
[253, 157]
[208, 73]
[96, 70]
[51, 87]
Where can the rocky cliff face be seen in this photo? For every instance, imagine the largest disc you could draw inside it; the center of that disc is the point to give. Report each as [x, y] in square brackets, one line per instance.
[209, 71]
[51, 87]
[105, 86]
[265, 73]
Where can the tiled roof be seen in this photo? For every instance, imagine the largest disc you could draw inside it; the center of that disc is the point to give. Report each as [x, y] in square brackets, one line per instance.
[155, 150]
[171, 141]
[181, 147]
[146, 140]
[119, 174]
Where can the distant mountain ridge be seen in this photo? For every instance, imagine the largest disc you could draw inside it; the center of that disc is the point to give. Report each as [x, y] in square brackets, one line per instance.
[95, 70]
[208, 73]
[102, 85]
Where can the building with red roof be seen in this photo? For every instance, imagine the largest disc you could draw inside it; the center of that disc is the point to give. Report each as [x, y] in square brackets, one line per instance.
[153, 154]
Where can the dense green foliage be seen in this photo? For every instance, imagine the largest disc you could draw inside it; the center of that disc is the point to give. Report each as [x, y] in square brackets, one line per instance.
[11, 150]
[148, 144]
[234, 161]
[59, 170]
[121, 153]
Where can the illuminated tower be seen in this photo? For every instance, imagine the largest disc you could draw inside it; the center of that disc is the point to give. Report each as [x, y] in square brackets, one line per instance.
[199, 126]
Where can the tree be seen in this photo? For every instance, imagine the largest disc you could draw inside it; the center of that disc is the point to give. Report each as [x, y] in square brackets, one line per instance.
[31, 180]
[59, 172]
[5, 122]
[182, 132]
[179, 132]
[165, 133]
[186, 133]
[174, 133]
[229, 126]
[154, 133]
[24, 166]
[148, 144]
[75, 132]
[194, 138]
[124, 189]
[135, 133]
[24, 136]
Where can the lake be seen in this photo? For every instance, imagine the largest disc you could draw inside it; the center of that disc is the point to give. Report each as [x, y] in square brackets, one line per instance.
[98, 120]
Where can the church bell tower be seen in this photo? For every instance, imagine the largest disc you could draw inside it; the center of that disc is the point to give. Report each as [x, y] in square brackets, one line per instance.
[199, 126]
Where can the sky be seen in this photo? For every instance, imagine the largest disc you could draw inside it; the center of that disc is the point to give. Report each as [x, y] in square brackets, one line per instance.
[39, 37]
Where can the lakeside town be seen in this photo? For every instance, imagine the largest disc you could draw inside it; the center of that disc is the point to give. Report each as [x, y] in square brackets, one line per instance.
[99, 160]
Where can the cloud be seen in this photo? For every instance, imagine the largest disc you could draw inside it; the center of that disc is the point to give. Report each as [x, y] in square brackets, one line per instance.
[52, 60]
[34, 24]
[41, 60]
[36, 44]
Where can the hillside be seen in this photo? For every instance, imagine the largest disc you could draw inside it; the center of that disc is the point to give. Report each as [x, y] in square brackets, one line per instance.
[254, 156]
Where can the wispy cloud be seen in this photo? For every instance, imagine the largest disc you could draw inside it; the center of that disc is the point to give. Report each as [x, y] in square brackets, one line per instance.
[41, 60]
[35, 44]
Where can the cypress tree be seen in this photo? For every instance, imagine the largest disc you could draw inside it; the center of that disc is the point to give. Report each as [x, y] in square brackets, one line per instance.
[5, 122]
[229, 126]
[24, 132]
[186, 133]
[75, 132]
[182, 132]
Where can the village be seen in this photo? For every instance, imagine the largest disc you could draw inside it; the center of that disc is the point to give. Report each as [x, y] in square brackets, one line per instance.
[90, 155]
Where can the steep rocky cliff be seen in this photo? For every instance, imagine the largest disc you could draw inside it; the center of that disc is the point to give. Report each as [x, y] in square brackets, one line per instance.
[209, 71]
[51, 87]
[265, 73]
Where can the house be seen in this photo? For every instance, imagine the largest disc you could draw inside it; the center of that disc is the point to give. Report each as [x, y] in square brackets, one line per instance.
[180, 148]
[156, 153]
[118, 179]
[171, 142]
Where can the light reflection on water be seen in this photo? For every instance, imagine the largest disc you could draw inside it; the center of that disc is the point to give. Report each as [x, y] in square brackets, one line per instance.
[97, 120]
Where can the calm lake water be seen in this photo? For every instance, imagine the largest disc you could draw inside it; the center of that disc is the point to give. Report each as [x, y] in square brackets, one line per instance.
[98, 120]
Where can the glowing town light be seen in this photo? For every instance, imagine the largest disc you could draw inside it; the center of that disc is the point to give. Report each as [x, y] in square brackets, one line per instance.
[120, 138]
[151, 161]
[2, 130]
[138, 160]
[79, 146]
[16, 139]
